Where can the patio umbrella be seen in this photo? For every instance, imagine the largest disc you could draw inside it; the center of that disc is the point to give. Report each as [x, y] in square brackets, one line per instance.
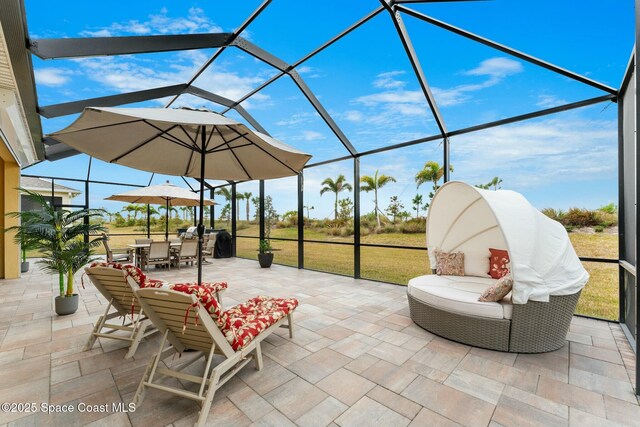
[163, 194]
[183, 142]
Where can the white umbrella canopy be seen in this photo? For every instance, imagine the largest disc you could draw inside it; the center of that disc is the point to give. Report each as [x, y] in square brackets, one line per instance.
[182, 142]
[169, 141]
[162, 194]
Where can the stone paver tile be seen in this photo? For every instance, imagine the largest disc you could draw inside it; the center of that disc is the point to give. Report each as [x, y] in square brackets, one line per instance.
[274, 418]
[571, 395]
[251, 403]
[606, 355]
[223, 413]
[368, 412]
[119, 419]
[361, 363]
[590, 330]
[323, 413]
[427, 417]
[399, 319]
[318, 365]
[608, 343]
[599, 367]
[578, 418]
[512, 412]
[22, 334]
[295, 398]
[475, 385]
[415, 343]
[22, 371]
[29, 391]
[55, 345]
[354, 345]
[579, 338]
[622, 412]
[82, 386]
[335, 332]
[392, 337]
[449, 402]
[361, 326]
[270, 377]
[536, 401]
[65, 372]
[390, 376]
[346, 386]
[287, 353]
[546, 364]
[391, 353]
[603, 385]
[497, 356]
[391, 400]
[439, 355]
[11, 356]
[319, 344]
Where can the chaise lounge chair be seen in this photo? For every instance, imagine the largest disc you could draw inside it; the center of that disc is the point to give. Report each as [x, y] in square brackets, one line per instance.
[117, 283]
[192, 320]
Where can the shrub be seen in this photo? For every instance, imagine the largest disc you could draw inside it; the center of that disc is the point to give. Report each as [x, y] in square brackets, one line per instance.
[606, 219]
[598, 229]
[580, 218]
[611, 208]
[555, 214]
[414, 226]
[569, 228]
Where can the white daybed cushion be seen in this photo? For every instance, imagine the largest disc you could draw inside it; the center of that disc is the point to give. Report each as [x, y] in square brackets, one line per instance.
[459, 294]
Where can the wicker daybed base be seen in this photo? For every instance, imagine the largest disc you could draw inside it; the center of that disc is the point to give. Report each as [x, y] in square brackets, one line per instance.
[535, 327]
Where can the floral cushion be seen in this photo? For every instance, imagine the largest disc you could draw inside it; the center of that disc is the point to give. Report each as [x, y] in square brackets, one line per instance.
[242, 323]
[499, 263]
[449, 263]
[498, 290]
[205, 294]
[133, 271]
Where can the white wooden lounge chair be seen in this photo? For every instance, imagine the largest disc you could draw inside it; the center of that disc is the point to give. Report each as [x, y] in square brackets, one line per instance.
[185, 323]
[116, 284]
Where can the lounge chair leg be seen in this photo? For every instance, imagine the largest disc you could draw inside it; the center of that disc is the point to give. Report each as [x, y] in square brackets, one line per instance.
[137, 338]
[258, 357]
[97, 328]
[206, 404]
[290, 320]
[150, 372]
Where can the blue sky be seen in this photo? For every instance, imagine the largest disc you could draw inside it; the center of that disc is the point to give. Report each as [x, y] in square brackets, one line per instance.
[367, 84]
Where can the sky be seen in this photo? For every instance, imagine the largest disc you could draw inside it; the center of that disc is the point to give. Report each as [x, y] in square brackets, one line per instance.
[367, 84]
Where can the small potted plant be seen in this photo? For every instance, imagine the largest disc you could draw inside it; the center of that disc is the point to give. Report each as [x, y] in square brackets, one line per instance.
[25, 245]
[58, 234]
[265, 257]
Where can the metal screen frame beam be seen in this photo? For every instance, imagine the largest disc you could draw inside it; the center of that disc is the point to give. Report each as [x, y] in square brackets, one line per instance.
[503, 48]
[110, 46]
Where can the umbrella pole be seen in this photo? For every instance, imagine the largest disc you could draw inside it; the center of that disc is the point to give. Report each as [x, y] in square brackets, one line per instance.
[166, 223]
[203, 153]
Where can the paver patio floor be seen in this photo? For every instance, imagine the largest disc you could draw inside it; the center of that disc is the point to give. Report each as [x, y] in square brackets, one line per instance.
[356, 359]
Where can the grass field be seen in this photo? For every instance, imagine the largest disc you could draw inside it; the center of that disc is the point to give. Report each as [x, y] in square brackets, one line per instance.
[599, 298]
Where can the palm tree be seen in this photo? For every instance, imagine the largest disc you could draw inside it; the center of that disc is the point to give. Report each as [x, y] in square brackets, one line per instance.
[239, 196]
[417, 201]
[224, 192]
[57, 233]
[337, 186]
[373, 183]
[431, 172]
[247, 196]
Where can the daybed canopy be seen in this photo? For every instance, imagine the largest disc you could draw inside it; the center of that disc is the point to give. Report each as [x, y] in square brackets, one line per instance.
[471, 220]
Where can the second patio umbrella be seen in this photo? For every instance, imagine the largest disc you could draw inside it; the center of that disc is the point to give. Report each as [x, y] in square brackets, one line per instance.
[182, 142]
[163, 194]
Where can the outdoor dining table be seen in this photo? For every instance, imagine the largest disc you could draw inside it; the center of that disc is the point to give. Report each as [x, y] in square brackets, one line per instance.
[140, 246]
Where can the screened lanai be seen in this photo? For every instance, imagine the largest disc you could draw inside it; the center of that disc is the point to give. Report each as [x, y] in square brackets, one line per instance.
[538, 100]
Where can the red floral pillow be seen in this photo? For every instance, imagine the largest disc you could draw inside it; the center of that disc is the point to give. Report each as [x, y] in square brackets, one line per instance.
[205, 295]
[499, 263]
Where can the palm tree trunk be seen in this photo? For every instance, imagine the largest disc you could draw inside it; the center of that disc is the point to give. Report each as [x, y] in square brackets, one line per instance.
[70, 282]
[61, 282]
[335, 207]
[375, 200]
[247, 210]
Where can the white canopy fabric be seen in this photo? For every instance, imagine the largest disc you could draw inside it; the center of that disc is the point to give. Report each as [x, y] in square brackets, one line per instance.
[161, 194]
[471, 220]
[168, 141]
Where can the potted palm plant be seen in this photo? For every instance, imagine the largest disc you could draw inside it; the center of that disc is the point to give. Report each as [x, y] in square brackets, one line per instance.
[25, 245]
[265, 257]
[59, 237]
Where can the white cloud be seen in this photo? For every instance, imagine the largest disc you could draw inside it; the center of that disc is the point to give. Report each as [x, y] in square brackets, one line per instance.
[354, 115]
[195, 22]
[388, 81]
[499, 67]
[51, 76]
[549, 101]
[310, 135]
[297, 119]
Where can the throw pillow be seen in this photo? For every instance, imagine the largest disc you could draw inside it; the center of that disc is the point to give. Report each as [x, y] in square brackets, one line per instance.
[498, 263]
[449, 263]
[498, 290]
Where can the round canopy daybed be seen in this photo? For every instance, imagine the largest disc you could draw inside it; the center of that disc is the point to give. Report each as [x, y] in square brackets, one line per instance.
[547, 274]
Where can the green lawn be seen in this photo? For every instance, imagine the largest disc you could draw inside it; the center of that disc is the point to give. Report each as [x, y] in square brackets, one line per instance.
[599, 298]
